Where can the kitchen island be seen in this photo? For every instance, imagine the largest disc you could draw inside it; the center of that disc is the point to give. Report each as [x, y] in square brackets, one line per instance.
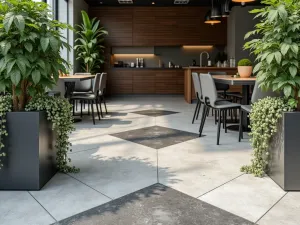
[189, 92]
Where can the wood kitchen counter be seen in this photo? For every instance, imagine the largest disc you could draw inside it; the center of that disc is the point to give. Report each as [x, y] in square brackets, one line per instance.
[145, 81]
[189, 92]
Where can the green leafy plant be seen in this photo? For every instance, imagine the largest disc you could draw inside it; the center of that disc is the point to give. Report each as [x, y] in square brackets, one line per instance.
[245, 62]
[30, 61]
[276, 46]
[5, 106]
[30, 43]
[59, 112]
[89, 48]
[264, 118]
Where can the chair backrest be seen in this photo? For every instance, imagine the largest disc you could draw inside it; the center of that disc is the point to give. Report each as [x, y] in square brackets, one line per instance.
[208, 87]
[96, 84]
[197, 85]
[258, 93]
[103, 82]
[83, 86]
[220, 87]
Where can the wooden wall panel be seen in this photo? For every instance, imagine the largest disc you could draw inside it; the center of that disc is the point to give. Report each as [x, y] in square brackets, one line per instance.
[118, 22]
[159, 26]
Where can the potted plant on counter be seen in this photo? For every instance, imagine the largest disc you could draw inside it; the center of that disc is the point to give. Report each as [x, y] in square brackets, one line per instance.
[245, 68]
[34, 128]
[275, 122]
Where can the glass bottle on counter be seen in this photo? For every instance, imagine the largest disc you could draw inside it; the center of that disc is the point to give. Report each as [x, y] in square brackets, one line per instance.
[209, 62]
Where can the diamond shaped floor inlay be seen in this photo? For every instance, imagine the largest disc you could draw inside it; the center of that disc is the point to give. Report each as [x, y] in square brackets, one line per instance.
[156, 137]
[157, 205]
[155, 112]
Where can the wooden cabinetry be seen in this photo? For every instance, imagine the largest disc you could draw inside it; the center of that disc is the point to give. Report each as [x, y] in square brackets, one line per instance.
[119, 82]
[145, 81]
[161, 26]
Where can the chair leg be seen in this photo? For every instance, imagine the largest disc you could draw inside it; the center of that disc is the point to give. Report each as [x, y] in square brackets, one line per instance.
[100, 100]
[92, 107]
[104, 103]
[195, 113]
[241, 125]
[199, 108]
[88, 102]
[97, 107]
[73, 107]
[216, 114]
[219, 127]
[223, 116]
[81, 102]
[225, 121]
[203, 118]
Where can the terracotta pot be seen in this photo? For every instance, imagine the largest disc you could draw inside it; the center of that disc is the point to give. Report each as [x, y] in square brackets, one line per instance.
[245, 71]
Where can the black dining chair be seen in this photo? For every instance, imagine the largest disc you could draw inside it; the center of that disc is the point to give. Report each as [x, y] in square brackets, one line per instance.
[102, 89]
[91, 98]
[256, 95]
[210, 97]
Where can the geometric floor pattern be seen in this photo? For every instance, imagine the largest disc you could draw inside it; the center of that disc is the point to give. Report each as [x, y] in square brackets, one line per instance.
[156, 137]
[156, 204]
[195, 173]
[154, 112]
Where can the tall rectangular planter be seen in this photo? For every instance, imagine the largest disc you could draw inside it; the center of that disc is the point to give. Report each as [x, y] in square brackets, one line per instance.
[284, 167]
[30, 160]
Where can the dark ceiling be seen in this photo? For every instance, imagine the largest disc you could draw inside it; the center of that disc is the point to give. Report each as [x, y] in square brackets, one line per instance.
[157, 3]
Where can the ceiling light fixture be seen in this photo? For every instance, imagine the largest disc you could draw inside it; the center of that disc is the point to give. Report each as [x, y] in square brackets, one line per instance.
[215, 9]
[153, 3]
[225, 8]
[125, 2]
[209, 20]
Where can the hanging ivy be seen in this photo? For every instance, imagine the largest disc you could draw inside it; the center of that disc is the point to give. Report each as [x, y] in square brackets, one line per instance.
[264, 118]
[59, 112]
[5, 106]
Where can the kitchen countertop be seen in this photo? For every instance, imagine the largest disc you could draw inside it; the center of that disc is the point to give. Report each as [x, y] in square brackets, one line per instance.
[208, 68]
[145, 68]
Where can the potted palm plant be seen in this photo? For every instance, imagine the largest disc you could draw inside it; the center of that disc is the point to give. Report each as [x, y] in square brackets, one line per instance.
[34, 128]
[275, 121]
[89, 44]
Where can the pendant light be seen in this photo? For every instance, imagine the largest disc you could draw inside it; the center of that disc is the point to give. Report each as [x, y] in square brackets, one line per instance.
[225, 8]
[215, 9]
[209, 20]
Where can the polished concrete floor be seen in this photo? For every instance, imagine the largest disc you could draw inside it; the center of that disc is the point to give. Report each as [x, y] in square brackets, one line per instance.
[146, 141]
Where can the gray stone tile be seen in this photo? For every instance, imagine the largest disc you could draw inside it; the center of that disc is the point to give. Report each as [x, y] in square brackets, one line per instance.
[156, 137]
[117, 167]
[247, 196]
[64, 196]
[285, 212]
[157, 205]
[154, 112]
[20, 208]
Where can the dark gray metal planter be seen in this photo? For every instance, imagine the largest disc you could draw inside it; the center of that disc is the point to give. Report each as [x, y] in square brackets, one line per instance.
[285, 153]
[31, 155]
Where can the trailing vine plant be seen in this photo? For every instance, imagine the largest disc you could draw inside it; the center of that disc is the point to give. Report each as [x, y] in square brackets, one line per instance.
[59, 112]
[5, 106]
[264, 118]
